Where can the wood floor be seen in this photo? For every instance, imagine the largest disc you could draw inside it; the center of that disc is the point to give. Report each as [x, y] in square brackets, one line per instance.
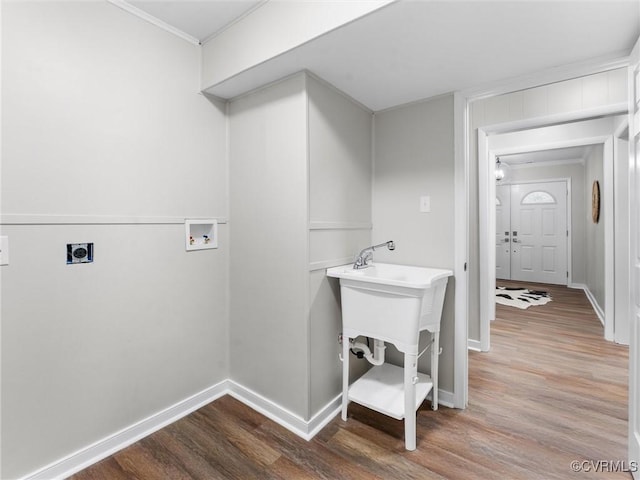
[551, 391]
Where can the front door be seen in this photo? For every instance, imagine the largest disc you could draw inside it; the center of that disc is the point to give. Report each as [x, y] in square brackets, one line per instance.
[532, 221]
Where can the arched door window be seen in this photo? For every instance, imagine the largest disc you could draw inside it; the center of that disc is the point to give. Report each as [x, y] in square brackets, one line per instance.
[538, 197]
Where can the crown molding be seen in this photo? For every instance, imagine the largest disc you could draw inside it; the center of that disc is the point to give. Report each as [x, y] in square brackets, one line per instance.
[126, 6]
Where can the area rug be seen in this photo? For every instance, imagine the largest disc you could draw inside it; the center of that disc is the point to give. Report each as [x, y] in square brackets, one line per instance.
[521, 297]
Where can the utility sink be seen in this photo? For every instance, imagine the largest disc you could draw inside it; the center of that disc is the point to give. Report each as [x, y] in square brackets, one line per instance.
[391, 302]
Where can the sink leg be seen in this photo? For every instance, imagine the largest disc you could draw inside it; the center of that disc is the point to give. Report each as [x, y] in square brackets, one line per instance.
[410, 372]
[435, 355]
[345, 376]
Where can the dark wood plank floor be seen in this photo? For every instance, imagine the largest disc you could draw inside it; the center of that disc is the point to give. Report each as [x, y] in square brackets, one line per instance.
[551, 391]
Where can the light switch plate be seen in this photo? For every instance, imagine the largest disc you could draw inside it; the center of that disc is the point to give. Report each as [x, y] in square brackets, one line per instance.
[4, 250]
[425, 204]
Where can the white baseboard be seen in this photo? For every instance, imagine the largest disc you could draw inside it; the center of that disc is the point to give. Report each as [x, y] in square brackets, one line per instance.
[91, 454]
[306, 429]
[324, 416]
[592, 300]
[445, 398]
[474, 345]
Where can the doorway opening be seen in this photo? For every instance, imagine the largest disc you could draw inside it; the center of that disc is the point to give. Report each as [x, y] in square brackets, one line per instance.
[595, 133]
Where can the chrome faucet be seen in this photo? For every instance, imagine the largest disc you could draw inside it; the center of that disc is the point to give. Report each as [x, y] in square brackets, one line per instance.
[365, 256]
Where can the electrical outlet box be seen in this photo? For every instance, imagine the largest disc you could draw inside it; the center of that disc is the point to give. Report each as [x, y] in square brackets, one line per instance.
[79, 253]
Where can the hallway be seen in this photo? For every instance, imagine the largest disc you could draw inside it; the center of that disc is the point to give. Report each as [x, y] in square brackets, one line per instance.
[551, 391]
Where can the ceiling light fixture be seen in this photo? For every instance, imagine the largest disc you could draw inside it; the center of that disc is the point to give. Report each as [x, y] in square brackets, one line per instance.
[499, 172]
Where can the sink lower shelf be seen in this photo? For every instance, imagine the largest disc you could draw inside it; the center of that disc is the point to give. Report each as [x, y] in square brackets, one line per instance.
[382, 389]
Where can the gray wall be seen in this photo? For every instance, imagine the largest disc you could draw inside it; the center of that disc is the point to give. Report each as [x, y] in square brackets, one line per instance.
[574, 171]
[101, 118]
[594, 232]
[340, 169]
[269, 244]
[414, 156]
[300, 202]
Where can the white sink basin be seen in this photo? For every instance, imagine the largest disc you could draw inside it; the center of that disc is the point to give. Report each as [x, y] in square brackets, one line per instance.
[391, 275]
[391, 302]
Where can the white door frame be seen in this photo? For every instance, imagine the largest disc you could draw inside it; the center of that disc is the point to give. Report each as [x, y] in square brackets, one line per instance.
[634, 277]
[461, 251]
[462, 134]
[622, 252]
[461, 101]
[489, 147]
[505, 207]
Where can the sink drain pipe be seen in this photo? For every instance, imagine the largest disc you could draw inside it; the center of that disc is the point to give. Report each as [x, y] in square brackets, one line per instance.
[375, 358]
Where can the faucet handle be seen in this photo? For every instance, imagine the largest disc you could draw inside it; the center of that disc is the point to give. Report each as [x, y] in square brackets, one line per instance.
[366, 255]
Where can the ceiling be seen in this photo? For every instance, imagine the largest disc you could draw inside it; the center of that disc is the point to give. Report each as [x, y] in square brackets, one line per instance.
[411, 50]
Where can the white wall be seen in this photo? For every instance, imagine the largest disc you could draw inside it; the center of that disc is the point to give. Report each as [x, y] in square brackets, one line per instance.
[101, 118]
[594, 232]
[269, 284]
[414, 157]
[340, 173]
[300, 202]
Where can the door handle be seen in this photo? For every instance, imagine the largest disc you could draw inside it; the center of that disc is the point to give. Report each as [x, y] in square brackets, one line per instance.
[515, 240]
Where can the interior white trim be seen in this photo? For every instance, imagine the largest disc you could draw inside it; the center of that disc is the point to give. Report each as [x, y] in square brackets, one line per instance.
[487, 228]
[556, 119]
[474, 345]
[101, 449]
[323, 417]
[323, 264]
[446, 398]
[340, 225]
[461, 252]
[594, 303]
[550, 163]
[28, 219]
[569, 232]
[622, 254]
[553, 75]
[607, 196]
[283, 417]
[236, 20]
[153, 20]
[486, 188]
